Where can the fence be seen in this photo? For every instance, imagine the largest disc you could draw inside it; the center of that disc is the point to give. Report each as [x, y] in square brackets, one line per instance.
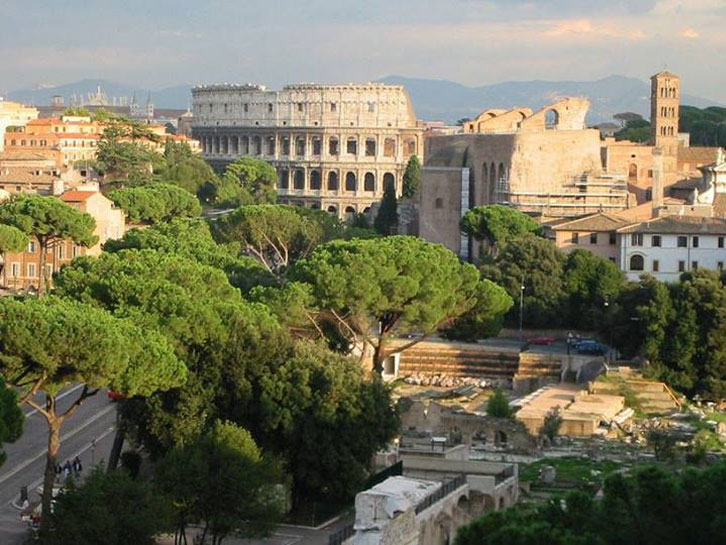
[441, 493]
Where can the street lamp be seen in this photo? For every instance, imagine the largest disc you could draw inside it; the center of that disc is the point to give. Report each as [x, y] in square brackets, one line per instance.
[521, 308]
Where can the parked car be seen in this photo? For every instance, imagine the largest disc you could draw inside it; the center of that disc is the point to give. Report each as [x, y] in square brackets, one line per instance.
[592, 347]
[545, 341]
[115, 396]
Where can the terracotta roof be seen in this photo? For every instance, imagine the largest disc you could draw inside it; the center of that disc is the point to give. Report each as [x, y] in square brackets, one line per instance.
[594, 222]
[77, 196]
[12, 155]
[677, 225]
[24, 175]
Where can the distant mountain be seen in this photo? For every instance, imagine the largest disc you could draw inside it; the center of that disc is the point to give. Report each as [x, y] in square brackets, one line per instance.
[433, 99]
[449, 101]
[169, 97]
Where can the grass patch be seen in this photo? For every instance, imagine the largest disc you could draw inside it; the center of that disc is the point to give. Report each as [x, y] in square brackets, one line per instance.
[572, 470]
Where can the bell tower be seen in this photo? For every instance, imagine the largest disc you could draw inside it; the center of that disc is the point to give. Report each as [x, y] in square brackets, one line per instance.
[665, 96]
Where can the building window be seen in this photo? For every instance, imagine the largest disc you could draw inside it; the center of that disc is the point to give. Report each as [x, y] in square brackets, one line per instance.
[15, 270]
[31, 270]
[695, 242]
[75, 250]
[682, 242]
[62, 251]
[246, 107]
[655, 241]
[369, 182]
[351, 183]
[720, 242]
[370, 147]
[593, 238]
[269, 107]
[681, 266]
[575, 238]
[637, 239]
[439, 203]
[31, 247]
[637, 263]
[613, 239]
[333, 107]
[656, 265]
[317, 145]
[719, 265]
[285, 145]
[389, 147]
[332, 182]
[284, 179]
[300, 107]
[694, 265]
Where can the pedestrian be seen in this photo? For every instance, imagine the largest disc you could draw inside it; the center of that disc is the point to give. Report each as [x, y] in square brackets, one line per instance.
[67, 468]
[77, 467]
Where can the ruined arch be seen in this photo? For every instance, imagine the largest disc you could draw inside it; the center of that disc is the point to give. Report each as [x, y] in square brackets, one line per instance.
[500, 438]
[552, 119]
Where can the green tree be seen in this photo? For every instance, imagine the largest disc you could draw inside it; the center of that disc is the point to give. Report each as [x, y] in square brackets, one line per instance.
[387, 217]
[50, 221]
[536, 264]
[77, 112]
[11, 418]
[223, 481]
[254, 178]
[496, 225]
[12, 239]
[498, 405]
[635, 130]
[327, 421]
[191, 237]
[411, 177]
[486, 318]
[276, 235]
[373, 289]
[154, 203]
[183, 168]
[108, 509]
[49, 344]
[591, 283]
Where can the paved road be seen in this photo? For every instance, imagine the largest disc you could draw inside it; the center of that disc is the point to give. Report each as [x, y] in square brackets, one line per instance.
[25, 464]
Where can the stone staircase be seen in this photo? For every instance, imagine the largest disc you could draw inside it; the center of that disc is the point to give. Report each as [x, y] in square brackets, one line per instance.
[651, 396]
[456, 359]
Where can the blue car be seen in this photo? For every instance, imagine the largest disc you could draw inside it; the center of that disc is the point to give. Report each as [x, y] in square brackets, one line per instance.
[592, 347]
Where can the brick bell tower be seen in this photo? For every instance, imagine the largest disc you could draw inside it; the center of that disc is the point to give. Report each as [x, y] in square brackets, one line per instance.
[665, 96]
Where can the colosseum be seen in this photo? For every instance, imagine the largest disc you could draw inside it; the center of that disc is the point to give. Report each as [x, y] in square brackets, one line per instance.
[335, 147]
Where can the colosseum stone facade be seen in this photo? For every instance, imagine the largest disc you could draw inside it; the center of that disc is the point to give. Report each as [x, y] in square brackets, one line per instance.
[335, 147]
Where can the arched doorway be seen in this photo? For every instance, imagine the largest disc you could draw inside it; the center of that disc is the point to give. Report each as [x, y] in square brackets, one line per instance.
[633, 172]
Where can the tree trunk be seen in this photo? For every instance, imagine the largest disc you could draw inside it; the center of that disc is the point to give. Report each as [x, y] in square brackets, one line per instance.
[118, 444]
[43, 258]
[378, 358]
[54, 424]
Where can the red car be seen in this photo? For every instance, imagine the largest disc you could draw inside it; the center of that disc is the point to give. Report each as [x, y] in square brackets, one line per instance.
[545, 341]
[115, 396]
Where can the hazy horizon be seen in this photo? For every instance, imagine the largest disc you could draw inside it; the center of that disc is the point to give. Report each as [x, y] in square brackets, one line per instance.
[161, 44]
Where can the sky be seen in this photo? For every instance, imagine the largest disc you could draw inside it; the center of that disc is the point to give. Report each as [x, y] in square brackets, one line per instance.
[161, 43]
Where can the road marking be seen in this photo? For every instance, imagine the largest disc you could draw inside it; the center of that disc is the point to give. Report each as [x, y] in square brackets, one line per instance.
[38, 482]
[65, 437]
[59, 397]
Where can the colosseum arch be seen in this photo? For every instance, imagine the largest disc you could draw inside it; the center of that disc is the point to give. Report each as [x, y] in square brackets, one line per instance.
[351, 183]
[349, 213]
[256, 146]
[369, 182]
[234, 145]
[315, 181]
[389, 181]
[299, 179]
[332, 181]
[332, 209]
[284, 178]
[244, 145]
[333, 146]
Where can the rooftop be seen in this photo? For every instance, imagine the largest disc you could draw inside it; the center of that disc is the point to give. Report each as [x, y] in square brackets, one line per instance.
[679, 225]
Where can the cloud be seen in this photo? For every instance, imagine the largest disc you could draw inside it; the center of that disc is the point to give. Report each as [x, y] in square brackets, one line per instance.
[586, 28]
